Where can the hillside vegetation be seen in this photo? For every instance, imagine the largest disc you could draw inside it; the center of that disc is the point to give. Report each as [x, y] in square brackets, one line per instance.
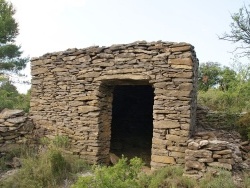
[51, 167]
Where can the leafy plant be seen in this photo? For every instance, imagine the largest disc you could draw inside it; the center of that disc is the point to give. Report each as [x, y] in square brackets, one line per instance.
[170, 176]
[223, 180]
[49, 168]
[244, 125]
[123, 174]
[10, 98]
[10, 54]
[240, 31]
[246, 180]
[61, 141]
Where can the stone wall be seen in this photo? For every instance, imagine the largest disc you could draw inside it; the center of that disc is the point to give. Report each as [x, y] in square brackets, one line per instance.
[72, 92]
[215, 120]
[210, 150]
[15, 127]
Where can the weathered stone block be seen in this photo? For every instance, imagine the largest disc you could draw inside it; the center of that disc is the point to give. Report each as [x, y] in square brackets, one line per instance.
[86, 109]
[221, 165]
[166, 124]
[17, 120]
[39, 71]
[193, 146]
[194, 165]
[205, 160]
[188, 67]
[177, 139]
[181, 61]
[6, 113]
[180, 49]
[199, 153]
[223, 152]
[163, 159]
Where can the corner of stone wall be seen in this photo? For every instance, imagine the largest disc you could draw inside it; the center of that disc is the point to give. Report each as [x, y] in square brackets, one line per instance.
[206, 153]
[16, 128]
[171, 149]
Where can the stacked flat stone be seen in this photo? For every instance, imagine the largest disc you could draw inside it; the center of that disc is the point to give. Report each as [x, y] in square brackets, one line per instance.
[215, 120]
[72, 95]
[15, 127]
[205, 152]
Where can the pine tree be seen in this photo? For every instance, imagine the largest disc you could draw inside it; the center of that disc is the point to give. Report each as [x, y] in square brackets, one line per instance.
[10, 53]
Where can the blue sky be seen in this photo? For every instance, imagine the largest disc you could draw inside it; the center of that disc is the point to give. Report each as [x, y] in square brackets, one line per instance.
[55, 25]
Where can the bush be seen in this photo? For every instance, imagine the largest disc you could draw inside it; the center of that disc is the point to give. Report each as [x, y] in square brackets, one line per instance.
[10, 98]
[11, 151]
[218, 100]
[128, 174]
[124, 174]
[49, 168]
[223, 180]
[170, 176]
[246, 180]
[244, 125]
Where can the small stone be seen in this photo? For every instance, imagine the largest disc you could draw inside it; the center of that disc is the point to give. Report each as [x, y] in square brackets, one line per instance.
[205, 160]
[113, 158]
[223, 152]
[166, 124]
[163, 159]
[221, 165]
[86, 109]
[193, 146]
[229, 161]
[194, 165]
[17, 120]
[199, 153]
[203, 143]
[216, 156]
[181, 61]
[6, 113]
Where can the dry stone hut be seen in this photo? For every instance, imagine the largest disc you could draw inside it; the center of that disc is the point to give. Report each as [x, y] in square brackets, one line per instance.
[135, 99]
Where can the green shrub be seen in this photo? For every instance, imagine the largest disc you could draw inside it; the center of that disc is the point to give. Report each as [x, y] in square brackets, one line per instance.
[11, 151]
[48, 168]
[59, 166]
[170, 176]
[246, 180]
[10, 98]
[244, 125]
[122, 175]
[223, 180]
[233, 101]
[61, 141]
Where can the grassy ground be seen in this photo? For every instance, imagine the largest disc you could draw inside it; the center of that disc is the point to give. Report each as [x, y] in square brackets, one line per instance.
[51, 167]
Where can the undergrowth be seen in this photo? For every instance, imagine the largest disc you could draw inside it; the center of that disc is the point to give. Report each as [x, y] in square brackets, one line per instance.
[223, 180]
[129, 174]
[244, 125]
[50, 167]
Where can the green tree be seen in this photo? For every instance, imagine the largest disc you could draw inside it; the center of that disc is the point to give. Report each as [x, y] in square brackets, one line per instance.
[10, 53]
[8, 95]
[10, 98]
[227, 78]
[209, 75]
[240, 31]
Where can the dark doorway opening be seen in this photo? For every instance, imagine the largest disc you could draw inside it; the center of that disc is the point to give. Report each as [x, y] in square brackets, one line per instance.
[132, 121]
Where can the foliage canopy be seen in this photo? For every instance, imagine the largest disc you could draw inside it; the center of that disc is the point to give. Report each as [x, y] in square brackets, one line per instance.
[10, 53]
[240, 31]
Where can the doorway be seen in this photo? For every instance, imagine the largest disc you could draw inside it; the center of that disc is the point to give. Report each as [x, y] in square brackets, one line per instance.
[132, 121]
